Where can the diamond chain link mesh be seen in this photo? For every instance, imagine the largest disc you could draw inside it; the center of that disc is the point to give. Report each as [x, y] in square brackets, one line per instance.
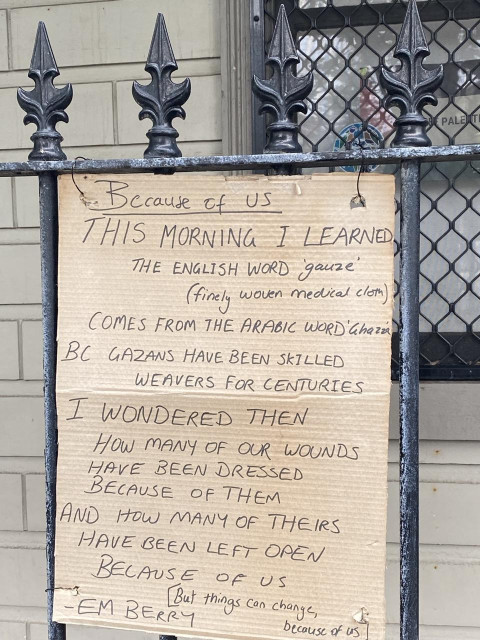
[344, 43]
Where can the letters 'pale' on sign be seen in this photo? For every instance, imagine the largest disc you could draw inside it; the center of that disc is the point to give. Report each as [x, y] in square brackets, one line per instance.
[223, 394]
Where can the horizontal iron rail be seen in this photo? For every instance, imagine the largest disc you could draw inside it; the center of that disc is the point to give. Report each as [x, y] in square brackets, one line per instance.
[265, 161]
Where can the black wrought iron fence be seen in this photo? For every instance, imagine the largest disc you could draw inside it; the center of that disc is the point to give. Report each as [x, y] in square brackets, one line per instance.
[345, 44]
[283, 95]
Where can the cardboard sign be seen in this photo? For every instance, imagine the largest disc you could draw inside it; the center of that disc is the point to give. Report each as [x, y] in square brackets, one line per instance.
[223, 395]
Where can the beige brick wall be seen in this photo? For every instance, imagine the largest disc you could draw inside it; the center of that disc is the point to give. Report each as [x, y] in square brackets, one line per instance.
[100, 48]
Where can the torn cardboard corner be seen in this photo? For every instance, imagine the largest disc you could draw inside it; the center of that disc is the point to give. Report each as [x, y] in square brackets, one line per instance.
[222, 393]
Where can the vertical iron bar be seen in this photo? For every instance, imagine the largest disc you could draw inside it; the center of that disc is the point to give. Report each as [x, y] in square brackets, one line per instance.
[49, 254]
[409, 397]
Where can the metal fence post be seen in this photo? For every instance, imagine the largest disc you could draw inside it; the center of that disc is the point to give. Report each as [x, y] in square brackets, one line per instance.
[49, 244]
[410, 87]
[409, 398]
[44, 106]
[161, 101]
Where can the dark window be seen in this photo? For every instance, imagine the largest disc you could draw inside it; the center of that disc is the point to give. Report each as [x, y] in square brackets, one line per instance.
[344, 42]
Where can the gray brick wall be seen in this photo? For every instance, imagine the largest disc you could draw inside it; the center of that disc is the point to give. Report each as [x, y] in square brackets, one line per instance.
[100, 48]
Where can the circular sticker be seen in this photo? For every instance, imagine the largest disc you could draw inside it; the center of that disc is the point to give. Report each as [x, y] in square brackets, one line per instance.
[354, 136]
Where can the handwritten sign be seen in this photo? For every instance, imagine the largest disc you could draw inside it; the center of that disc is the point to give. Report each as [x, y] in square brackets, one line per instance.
[223, 394]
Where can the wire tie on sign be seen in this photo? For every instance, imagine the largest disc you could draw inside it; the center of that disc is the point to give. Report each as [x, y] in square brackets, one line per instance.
[83, 198]
[75, 590]
[358, 200]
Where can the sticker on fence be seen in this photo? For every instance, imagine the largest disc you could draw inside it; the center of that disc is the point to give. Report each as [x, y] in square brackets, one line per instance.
[223, 395]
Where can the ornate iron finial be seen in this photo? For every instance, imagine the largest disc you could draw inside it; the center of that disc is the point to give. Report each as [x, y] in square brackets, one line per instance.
[45, 103]
[161, 100]
[284, 92]
[412, 86]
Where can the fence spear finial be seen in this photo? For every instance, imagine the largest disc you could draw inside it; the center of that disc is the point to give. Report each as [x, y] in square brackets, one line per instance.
[161, 99]
[411, 87]
[284, 92]
[45, 103]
